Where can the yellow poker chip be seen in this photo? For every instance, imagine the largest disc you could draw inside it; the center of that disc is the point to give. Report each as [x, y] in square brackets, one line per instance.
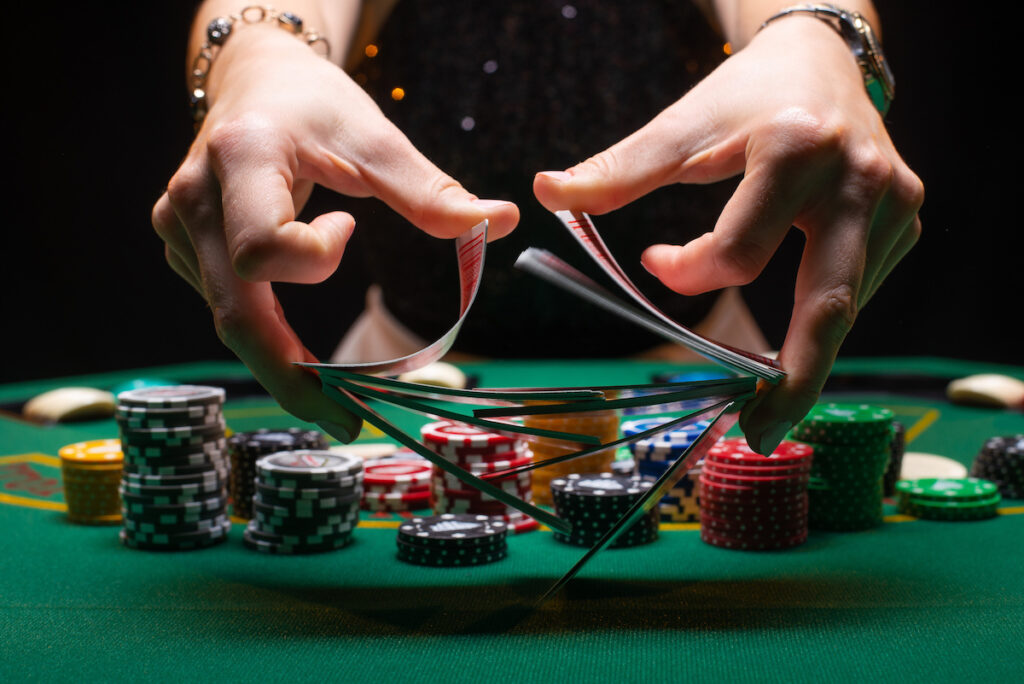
[93, 452]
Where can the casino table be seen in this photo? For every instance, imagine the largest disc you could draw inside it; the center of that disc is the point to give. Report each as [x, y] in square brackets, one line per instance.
[910, 601]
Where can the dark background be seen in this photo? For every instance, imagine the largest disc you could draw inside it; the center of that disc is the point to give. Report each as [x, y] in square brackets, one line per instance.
[97, 123]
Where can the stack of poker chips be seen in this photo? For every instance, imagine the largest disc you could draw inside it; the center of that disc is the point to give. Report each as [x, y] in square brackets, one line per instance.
[654, 455]
[601, 424]
[452, 539]
[245, 448]
[754, 502]
[481, 453]
[1001, 460]
[174, 487]
[954, 499]
[393, 484]
[91, 472]
[594, 502]
[306, 501]
[852, 447]
[896, 451]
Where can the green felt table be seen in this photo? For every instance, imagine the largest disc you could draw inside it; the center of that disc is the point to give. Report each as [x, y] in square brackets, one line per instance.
[910, 601]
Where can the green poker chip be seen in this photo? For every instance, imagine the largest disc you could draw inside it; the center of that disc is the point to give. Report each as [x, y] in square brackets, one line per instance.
[845, 424]
[947, 489]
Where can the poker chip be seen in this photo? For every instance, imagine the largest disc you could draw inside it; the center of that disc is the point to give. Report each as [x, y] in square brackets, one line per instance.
[395, 485]
[91, 472]
[950, 499]
[844, 424]
[896, 451]
[173, 487]
[654, 455]
[1001, 461]
[754, 502]
[245, 448]
[306, 468]
[853, 449]
[450, 540]
[594, 502]
[604, 425]
[306, 501]
[172, 397]
[479, 453]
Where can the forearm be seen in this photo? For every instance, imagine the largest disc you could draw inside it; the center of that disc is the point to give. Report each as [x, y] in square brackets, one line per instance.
[335, 20]
[741, 19]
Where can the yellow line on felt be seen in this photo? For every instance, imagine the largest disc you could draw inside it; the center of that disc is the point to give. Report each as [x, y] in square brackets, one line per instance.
[33, 503]
[1011, 510]
[923, 423]
[41, 459]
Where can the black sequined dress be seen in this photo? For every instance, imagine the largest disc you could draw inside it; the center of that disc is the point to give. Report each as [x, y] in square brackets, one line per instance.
[495, 91]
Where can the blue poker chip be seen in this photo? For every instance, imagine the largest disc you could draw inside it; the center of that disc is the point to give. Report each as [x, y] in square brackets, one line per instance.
[690, 430]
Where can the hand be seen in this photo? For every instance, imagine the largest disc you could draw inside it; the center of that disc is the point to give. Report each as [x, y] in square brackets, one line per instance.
[282, 120]
[790, 113]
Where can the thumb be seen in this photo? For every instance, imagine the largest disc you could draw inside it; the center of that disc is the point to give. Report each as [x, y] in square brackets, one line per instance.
[669, 149]
[399, 175]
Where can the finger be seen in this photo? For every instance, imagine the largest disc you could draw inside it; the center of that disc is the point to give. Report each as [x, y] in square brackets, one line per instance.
[170, 229]
[908, 238]
[675, 147]
[405, 180]
[828, 283]
[750, 229]
[896, 230]
[259, 189]
[179, 266]
[247, 315]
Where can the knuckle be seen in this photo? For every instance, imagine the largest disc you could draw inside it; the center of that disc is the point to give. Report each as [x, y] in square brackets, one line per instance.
[911, 190]
[227, 138]
[801, 135]
[251, 255]
[740, 261]
[232, 326]
[187, 187]
[838, 312]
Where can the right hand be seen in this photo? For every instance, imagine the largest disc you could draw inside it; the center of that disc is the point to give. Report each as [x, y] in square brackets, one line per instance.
[281, 119]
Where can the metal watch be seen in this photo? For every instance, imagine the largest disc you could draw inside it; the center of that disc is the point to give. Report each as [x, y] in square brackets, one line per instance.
[856, 31]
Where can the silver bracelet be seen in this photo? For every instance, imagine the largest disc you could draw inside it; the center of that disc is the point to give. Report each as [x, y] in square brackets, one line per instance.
[219, 30]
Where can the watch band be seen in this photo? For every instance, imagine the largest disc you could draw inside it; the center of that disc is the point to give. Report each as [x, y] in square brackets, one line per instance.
[860, 38]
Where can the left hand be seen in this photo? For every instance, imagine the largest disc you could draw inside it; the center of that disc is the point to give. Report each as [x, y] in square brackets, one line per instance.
[791, 114]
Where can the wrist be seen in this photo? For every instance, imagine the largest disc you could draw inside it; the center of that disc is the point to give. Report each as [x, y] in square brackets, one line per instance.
[245, 37]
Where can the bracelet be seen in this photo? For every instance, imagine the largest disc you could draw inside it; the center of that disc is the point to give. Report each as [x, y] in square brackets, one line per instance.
[219, 30]
[855, 30]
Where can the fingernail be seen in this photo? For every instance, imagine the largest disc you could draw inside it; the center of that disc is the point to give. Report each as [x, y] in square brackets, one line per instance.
[489, 203]
[643, 262]
[559, 176]
[772, 438]
[338, 432]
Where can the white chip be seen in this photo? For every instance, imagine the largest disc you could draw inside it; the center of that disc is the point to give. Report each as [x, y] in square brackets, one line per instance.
[987, 389]
[439, 374]
[70, 403]
[367, 452]
[917, 466]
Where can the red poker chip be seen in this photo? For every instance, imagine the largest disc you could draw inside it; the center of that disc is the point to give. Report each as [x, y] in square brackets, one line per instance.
[448, 480]
[511, 459]
[711, 491]
[446, 432]
[407, 489]
[738, 468]
[752, 543]
[762, 487]
[789, 507]
[737, 449]
[396, 496]
[392, 472]
[745, 527]
[710, 475]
